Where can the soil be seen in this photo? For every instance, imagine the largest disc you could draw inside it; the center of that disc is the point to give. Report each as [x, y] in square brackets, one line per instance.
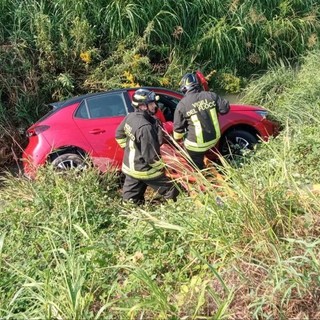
[10, 169]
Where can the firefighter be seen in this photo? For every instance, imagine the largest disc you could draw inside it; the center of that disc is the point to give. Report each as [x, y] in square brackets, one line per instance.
[196, 118]
[140, 135]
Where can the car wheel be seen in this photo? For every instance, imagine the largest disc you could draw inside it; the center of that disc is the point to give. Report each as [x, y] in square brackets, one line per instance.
[237, 143]
[68, 161]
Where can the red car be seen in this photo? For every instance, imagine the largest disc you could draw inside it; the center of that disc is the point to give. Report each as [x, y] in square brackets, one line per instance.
[85, 126]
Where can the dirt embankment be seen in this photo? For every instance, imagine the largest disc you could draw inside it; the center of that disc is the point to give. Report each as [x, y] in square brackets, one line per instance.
[12, 142]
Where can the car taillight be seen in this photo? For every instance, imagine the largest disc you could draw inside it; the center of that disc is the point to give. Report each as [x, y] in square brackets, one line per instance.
[36, 130]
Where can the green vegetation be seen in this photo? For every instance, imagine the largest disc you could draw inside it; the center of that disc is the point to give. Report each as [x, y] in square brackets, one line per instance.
[50, 50]
[70, 250]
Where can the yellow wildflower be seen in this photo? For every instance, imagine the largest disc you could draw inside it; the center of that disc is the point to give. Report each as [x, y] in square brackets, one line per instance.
[138, 256]
[164, 81]
[312, 40]
[85, 57]
[136, 60]
[130, 81]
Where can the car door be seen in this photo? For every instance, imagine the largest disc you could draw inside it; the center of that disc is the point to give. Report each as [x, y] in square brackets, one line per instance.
[98, 117]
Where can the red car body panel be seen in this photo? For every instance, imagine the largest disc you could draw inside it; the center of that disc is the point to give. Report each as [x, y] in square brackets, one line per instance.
[62, 129]
[239, 115]
[35, 153]
[100, 134]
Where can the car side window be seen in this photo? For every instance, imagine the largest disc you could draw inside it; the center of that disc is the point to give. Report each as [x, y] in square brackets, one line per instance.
[82, 111]
[102, 106]
[167, 105]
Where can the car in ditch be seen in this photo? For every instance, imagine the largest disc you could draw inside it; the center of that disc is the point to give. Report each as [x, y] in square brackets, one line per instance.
[83, 128]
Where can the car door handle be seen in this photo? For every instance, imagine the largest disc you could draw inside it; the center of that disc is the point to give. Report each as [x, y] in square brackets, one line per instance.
[97, 131]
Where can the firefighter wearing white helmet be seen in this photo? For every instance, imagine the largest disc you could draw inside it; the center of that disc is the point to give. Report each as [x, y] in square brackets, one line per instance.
[140, 137]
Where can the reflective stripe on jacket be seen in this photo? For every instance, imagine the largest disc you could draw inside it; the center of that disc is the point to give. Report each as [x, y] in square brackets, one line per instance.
[139, 134]
[196, 118]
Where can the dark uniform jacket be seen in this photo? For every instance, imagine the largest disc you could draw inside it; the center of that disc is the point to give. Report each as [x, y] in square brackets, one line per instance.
[196, 118]
[139, 133]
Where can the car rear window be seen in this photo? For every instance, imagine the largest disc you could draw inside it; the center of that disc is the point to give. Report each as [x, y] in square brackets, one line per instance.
[102, 106]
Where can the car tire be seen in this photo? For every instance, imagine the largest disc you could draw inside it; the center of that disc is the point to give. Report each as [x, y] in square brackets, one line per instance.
[237, 144]
[68, 161]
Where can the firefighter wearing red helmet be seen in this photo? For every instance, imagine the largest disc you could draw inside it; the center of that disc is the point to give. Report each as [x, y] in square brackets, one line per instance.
[139, 134]
[196, 118]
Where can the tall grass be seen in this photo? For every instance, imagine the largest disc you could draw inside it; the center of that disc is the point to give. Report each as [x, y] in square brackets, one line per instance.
[244, 246]
[51, 42]
[70, 250]
[291, 93]
[252, 254]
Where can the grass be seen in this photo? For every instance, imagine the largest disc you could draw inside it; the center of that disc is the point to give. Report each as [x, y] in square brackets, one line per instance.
[51, 51]
[70, 250]
[91, 258]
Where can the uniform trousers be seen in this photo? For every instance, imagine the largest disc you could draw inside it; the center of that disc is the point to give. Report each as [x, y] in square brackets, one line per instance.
[197, 158]
[134, 189]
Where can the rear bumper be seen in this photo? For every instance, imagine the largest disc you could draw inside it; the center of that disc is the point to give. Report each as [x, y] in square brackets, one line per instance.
[35, 155]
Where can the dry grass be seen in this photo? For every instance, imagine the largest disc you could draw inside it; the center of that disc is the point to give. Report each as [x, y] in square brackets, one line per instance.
[11, 145]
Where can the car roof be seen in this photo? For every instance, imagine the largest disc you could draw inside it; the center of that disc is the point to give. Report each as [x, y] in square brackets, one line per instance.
[77, 99]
